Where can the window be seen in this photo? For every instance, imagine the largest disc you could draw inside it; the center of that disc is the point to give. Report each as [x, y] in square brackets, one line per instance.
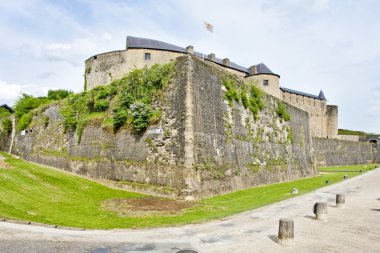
[265, 82]
[147, 56]
[95, 57]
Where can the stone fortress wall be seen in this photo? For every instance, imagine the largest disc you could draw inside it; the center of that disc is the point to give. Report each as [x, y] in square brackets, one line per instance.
[103, 68]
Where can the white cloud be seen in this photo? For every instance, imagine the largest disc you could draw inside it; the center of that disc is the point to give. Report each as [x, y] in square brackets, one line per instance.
[58, 47]
[320, 5]
[11, 91]
[312, 44]
[374, 103]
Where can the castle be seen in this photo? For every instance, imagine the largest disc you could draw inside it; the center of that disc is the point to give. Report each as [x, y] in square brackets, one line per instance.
[101, 69]
[202, 144]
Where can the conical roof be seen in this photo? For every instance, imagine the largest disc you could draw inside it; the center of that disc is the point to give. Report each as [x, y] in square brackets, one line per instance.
[321, 96]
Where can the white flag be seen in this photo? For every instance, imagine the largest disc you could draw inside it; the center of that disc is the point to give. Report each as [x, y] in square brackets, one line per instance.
[209, 26]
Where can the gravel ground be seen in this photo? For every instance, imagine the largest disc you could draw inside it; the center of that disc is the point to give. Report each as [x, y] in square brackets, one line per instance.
[352, 229]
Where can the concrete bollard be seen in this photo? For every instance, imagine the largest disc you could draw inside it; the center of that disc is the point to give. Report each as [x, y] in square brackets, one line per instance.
[285, 231]
[345, 177]
[320, 211]
[340, 200]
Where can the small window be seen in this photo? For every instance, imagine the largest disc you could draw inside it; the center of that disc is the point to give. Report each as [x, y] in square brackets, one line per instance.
[95, 57]
[147, 56]
[265, 82]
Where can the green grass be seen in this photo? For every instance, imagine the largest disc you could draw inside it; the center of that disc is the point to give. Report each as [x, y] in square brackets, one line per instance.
[35, 193]
[365, 167]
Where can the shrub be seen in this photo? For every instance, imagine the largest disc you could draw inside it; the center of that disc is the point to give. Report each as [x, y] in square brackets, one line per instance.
[90, 102]
[25, 104]
[231, 94]
[255, 101]
[6, 125]
[58, 94]
[101, 105]
[141, 114]
[69, 119]
[119, 118]
[4, 113]
[79, 128]
[125, 99]
[281, 111]
[24, 121]
[244, 98]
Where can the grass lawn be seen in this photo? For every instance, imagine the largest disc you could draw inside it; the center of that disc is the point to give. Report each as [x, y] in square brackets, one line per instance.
[363, 168]
[35, 193]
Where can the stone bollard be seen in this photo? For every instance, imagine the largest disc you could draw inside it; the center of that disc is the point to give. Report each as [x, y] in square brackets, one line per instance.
[345, 177]
[285, 231]
[340, 200]
[320, 211]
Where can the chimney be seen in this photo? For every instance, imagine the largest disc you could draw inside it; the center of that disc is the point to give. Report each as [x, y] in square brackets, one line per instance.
[190, 49]
[211, 57]
[226, 61]
[252, 70]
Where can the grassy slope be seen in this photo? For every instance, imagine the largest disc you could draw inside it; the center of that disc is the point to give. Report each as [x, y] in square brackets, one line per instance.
[36, 193]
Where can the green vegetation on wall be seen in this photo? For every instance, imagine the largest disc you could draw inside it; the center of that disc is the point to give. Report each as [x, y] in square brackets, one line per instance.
[126, 102]
[24, 121]
[4, 113]
[6, 126]
[281, 111]
[25, 104]
[236, 91]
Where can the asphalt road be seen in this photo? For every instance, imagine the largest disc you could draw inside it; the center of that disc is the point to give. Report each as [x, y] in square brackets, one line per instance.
[352, 229]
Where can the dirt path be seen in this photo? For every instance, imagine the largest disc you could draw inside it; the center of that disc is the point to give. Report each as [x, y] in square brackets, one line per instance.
[353, 229]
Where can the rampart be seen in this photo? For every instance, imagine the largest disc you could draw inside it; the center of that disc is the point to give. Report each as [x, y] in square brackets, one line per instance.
[209, 147]
[332, 152]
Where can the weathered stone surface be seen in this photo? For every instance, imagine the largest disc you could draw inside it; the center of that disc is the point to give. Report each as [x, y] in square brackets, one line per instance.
[229, 148]
[332, 152]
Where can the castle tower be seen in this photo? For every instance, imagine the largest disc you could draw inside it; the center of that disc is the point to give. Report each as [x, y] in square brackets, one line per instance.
[332, 121]
[264, 78]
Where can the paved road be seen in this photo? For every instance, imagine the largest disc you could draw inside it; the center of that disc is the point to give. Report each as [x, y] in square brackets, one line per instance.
[353, 229]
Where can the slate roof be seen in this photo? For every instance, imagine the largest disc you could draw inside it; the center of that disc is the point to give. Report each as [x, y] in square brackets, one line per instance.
[321, 96]
[263, 69]
[134, 42]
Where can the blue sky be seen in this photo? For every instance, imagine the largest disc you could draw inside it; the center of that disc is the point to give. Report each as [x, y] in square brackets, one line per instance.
[333, 45]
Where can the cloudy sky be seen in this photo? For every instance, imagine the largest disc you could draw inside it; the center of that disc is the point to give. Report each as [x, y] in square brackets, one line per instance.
[333, 45]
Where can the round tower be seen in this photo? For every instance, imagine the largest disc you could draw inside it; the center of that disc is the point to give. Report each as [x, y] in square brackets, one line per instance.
[264, 78]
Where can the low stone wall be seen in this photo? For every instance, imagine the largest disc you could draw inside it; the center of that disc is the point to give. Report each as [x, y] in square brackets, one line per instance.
[333, 152]
[348, 137]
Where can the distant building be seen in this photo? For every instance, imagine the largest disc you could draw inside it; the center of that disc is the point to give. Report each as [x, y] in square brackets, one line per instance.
[103, 68]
